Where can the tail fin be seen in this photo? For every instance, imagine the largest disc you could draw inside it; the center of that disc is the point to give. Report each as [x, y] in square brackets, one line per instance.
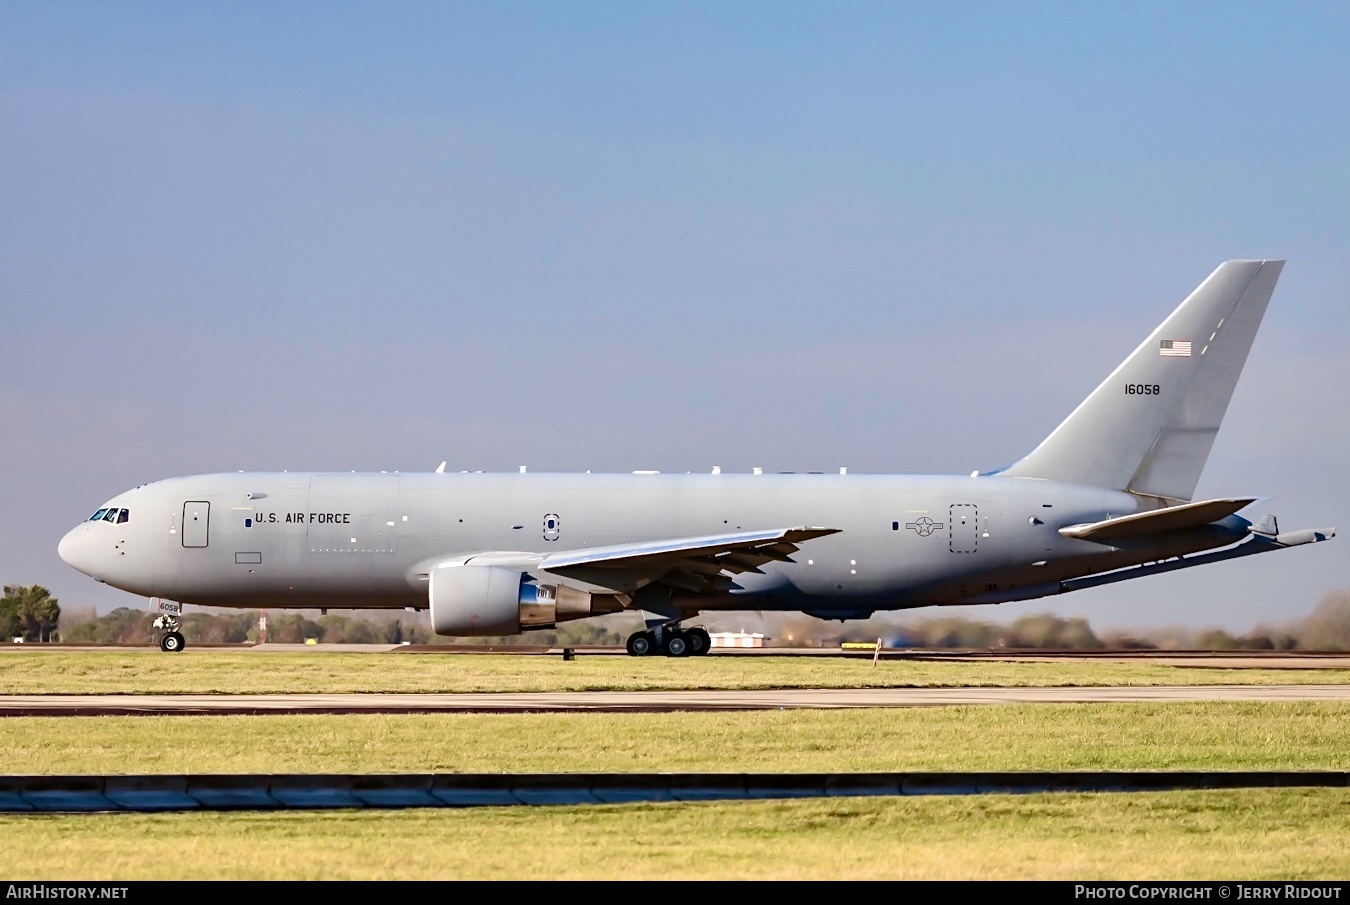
[1148, 428]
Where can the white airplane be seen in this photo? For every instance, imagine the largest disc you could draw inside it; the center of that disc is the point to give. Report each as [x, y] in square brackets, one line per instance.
[1106, 497]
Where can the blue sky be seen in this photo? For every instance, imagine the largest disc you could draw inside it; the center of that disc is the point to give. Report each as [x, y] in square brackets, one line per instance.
[901, 238]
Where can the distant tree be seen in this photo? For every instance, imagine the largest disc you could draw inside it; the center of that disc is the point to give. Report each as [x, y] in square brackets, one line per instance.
[31, 612]
[219, 628]
[1123, 641]
[1328, 628]
[1045, 631]
[1077, 634]
[73, 616]
[345, 630]
[334, 629]
[1256, 641]
[590, 632]
[10, 624]
[127, 626]
[1038, 630]
[952, 631]
[120, 626]
[292, 628]
[1217, 639]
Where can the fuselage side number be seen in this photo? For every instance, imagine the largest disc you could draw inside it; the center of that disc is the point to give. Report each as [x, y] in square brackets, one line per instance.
[1143, 389]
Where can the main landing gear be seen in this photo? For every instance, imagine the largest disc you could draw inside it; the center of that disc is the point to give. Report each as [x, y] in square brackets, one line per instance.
[671, 641]
[171, 642]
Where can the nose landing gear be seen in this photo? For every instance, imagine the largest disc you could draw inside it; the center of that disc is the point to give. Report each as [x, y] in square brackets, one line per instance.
[171, 641]
[671, 641]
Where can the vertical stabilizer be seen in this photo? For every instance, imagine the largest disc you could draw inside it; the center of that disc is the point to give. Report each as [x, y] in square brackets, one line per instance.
[1148, 428]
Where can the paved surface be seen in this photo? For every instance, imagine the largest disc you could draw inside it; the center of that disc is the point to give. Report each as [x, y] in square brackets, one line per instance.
[257, 791]
[642, 701]
[1189, 659]
[1153, 658]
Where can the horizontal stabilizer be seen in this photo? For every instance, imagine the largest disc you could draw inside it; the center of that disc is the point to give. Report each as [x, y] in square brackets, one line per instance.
[1191, 515]
[1254, 543]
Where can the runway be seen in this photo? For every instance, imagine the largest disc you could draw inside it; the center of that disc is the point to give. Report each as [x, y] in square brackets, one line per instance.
[645, 701]
[148, 793]
[1195, 659]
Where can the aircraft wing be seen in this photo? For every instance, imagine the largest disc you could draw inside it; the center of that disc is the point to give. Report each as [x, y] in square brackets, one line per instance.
[1190, 515]
[692, 563]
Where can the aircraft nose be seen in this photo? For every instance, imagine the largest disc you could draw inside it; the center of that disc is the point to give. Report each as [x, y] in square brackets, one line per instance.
[74, 549]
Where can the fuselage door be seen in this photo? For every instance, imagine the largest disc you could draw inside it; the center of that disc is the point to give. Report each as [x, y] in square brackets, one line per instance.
[196, 523]
[964, 528]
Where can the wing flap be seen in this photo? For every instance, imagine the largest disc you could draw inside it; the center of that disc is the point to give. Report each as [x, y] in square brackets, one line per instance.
[626, 555]
[699, 564]
[1190, 515]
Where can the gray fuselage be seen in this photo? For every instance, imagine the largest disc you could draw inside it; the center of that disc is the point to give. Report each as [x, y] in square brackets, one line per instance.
[323, 540]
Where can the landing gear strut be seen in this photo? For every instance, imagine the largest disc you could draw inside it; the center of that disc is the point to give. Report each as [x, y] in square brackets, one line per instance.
[669, 640]
[171, 642]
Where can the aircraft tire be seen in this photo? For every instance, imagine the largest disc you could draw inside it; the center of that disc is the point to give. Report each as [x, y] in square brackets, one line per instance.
[699, 642]
[677, 644]
[640, 644]
[172, 643]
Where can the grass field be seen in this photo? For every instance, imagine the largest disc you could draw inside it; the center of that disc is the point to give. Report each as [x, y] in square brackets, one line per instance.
[1200, 736]
[1252, 834]
[123, 672]
[1249, 834]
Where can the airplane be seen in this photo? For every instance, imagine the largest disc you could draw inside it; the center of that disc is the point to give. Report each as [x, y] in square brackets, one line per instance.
[1106, 497]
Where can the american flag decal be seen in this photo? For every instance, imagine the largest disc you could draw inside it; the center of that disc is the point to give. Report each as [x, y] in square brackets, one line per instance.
[1175, 348]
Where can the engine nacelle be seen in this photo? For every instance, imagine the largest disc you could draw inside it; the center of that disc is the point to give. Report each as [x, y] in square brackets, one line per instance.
[494, 600]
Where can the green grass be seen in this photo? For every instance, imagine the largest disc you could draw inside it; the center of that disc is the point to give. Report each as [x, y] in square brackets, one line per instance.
[1246, 834]
[1250, 834]
[1200, 736]
[125, 672]
[1268, 834]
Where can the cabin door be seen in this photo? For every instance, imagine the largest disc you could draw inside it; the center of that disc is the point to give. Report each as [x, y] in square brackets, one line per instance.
[196, 523]
[964, 528]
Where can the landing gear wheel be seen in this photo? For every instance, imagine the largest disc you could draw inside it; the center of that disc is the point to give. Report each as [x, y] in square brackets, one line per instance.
[699, 641]
[171, 642]
[677, 644]
[640, 644]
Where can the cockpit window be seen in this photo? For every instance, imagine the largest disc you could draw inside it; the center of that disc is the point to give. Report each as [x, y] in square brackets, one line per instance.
[111, 516]
[123, 515]
[98, 515]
